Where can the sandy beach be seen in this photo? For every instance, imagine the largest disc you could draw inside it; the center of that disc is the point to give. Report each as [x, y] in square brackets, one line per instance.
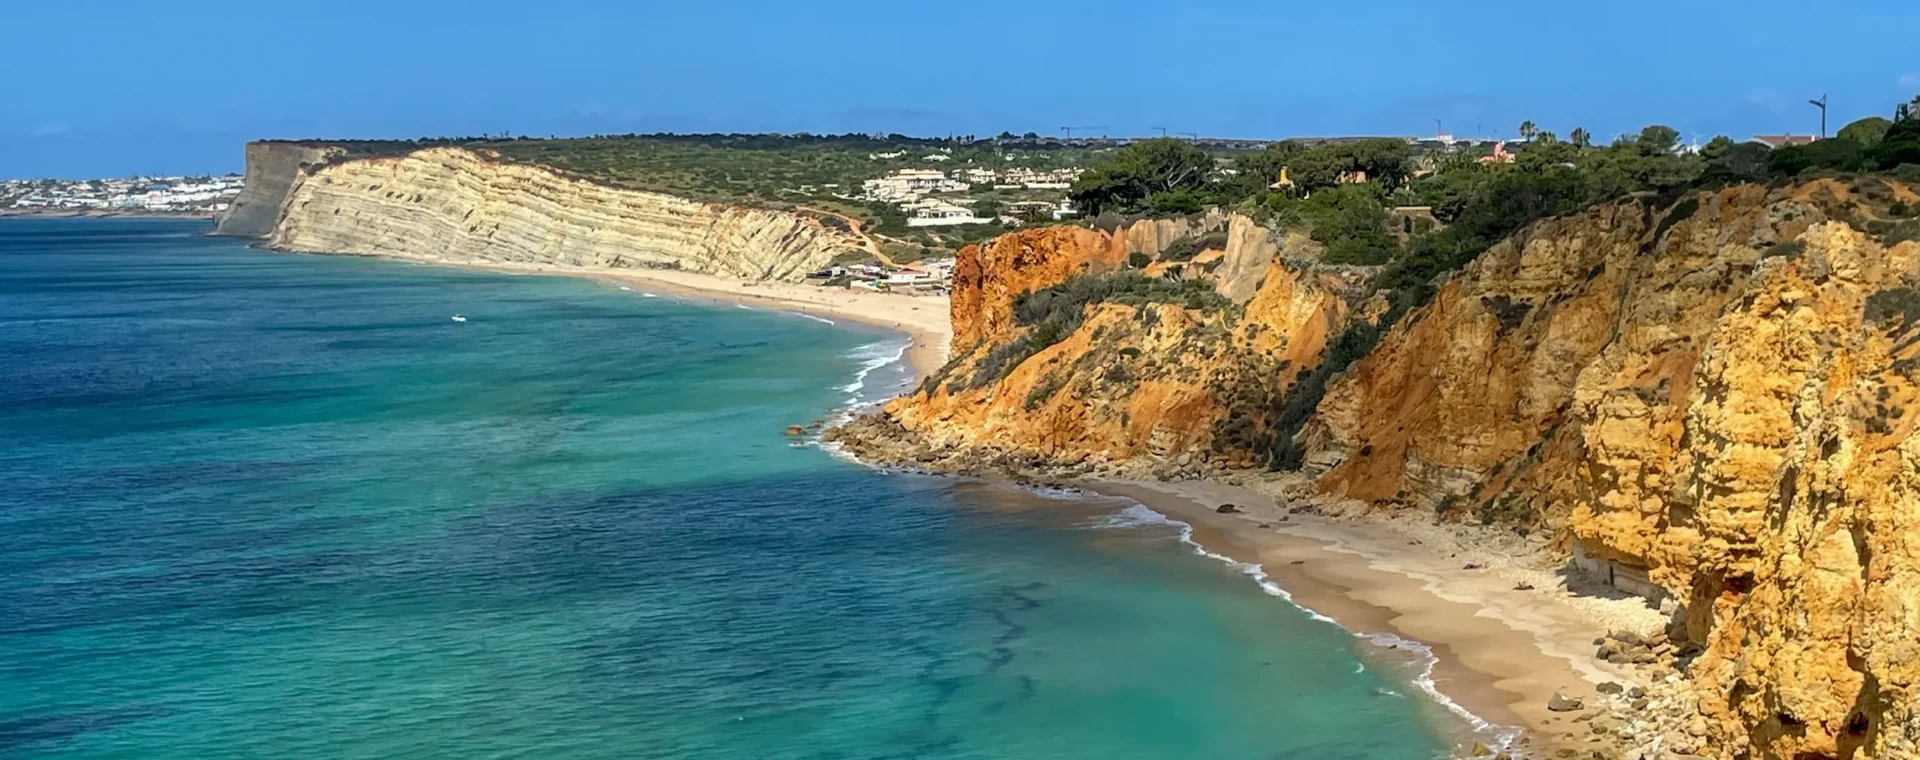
[1502, 652]
[923, 318]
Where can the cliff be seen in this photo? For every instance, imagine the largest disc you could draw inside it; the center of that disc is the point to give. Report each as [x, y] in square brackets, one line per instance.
[1712, 391]
[452, 205]
[272, 170]
[1716, 391]
[1174, 378]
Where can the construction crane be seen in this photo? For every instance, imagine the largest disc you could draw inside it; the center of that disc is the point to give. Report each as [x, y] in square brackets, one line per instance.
[1069, 130]
[1189, 135]
[1163, 130]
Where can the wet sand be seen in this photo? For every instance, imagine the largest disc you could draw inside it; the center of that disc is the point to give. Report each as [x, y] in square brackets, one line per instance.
[1501, 652]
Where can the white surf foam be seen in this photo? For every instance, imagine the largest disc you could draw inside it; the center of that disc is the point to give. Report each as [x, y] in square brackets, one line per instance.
[873, 356]
[650, 295]
[814, 318]
[1141, 516]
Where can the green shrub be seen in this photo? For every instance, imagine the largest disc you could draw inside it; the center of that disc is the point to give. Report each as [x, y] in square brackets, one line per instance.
[1138, 260]
[1045, 390]
[1899, 232]
[1052, 314]
[1884, 306]
[1182, 249]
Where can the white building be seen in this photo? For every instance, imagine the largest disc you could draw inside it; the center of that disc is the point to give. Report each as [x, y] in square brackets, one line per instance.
[939, 214]
[910, 184]
[980, 176]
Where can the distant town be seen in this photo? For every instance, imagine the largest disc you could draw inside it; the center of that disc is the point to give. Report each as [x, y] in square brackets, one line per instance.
[183, 196]
[928, 197]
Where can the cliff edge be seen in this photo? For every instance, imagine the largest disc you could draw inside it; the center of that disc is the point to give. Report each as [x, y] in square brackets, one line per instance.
[1709, 400]
[452, 205]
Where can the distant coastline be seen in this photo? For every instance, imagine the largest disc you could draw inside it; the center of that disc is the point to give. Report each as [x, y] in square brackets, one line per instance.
[68, 213]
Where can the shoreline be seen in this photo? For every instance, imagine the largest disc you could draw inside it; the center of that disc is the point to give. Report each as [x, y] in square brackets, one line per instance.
[925, 319]
[1500, 653]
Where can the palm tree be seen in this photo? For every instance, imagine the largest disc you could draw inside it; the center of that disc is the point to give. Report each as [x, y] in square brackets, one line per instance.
[1527, 130]
[1579, 137]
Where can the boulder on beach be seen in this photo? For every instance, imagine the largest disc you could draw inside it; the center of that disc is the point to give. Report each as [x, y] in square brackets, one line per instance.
[1227, 509]
[1560, 702]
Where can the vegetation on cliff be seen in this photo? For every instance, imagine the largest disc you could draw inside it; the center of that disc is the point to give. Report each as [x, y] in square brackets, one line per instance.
[1698, 368]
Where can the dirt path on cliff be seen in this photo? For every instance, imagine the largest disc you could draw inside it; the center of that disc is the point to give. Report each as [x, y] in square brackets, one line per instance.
[859, 231]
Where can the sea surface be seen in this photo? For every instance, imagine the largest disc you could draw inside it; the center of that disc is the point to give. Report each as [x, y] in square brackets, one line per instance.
[265, 505]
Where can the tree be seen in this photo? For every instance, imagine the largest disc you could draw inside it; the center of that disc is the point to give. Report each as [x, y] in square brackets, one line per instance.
[1545, 137]
[1579, 137]
[1384, 160]
[1738, 163]
[1867, 131]
[1900, 145]
[1716, 147]
[1833, 155]
[987, 209]
[1527, 130]
[1255, 171]
[1658, 139]
[1130, 177]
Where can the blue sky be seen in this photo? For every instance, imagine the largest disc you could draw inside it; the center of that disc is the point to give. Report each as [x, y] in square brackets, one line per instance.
[112, 87]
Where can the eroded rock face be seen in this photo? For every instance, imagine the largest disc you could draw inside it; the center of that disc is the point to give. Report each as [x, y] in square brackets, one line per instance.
[987, 277]
[449, 204]
[1187, 390]
[272, 170]
[1719, 390]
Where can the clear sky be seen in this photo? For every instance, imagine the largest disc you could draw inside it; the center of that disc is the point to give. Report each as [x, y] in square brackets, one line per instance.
[112, 87]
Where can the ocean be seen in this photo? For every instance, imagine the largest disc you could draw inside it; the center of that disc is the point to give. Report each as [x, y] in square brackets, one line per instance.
[264, 505]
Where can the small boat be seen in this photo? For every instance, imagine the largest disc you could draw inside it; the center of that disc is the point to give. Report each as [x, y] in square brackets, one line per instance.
[458, 318]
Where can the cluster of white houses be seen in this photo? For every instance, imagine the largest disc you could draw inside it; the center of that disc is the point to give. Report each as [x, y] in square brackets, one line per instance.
[166, 194]
[911, 190]
[933, 275]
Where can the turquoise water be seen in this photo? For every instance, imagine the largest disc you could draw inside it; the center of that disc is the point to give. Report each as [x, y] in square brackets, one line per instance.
[267, 505]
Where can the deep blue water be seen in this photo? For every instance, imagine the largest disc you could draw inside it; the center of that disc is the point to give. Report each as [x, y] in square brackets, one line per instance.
[266, 505]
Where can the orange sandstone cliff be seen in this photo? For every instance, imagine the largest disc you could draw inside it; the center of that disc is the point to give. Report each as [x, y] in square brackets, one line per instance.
[1167, 387]
[1714, 393]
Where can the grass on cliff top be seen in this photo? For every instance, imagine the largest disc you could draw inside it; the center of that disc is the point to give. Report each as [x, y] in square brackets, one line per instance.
[1051, 314]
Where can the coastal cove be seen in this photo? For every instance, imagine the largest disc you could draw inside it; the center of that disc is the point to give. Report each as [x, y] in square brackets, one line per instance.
[1494, 672]
[570, 524]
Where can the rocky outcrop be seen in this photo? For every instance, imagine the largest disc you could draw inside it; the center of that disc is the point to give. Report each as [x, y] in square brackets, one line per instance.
[452, 205]
[1714, 395]
[1166, 386]
[1715, 391]
[987, 277]
[272, 170]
